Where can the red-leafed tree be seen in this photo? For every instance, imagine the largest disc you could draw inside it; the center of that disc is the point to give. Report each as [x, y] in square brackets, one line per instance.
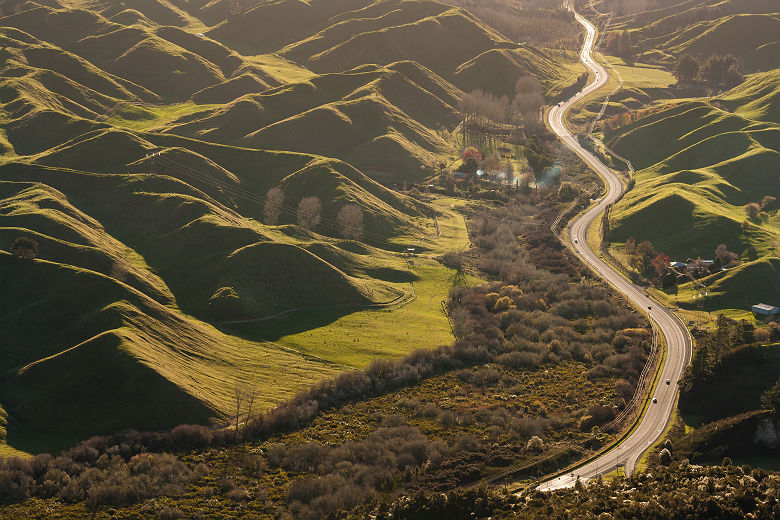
[472, 153]
[471, 158]
[661, 264]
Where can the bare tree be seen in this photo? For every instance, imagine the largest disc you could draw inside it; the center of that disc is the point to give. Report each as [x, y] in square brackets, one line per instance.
[752, 210]
[239, 392]
[350, 220]
[251, 397]
[273, 205]
[630, 246]
[509, 172]
[309, 212]
[725, 256]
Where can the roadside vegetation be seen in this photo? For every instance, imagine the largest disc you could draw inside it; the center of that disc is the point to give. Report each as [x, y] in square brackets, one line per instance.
[542, 360]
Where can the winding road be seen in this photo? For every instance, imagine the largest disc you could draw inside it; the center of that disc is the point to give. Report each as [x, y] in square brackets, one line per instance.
[678, 344]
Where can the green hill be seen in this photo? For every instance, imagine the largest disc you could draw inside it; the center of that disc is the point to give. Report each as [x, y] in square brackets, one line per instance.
[497, 70]
[155, 58]
[667, 29]
[458, 37]
[754, 282]
[377, 118]
[138, 141]
[758, 98]
[698, 164]
[741, 35]
[127, 362]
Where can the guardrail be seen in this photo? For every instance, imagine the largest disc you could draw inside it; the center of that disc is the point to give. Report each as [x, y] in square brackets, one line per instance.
[643, 383]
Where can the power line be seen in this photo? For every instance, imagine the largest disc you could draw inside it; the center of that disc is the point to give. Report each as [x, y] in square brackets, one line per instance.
[240, 192]
[253, 197]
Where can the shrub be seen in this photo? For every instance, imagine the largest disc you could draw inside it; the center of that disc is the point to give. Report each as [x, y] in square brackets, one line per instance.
[192, 436]
[25, 247]
[446, 418]
[535, 444]
[567, 192]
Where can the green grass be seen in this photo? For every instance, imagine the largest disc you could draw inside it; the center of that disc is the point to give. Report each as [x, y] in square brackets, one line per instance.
[497, 70]
[756, 98]
[147, 117]
[698, 164]
[377, 118]
[284, 69]
[136, 271]
[737, 288]
[190, 366]
[641, 75]
[355, 339]
[117, 347]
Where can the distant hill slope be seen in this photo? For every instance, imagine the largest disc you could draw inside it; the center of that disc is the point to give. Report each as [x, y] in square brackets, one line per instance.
[154, 57]
[669, 28]
[374, 117]
[138, 141]
[698, 164]
[341, 35]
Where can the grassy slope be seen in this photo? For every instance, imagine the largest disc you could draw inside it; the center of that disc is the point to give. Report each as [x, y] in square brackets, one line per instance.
[745, 28]
[376, 118]
[497, 70]
[331, 336]
[128, 362]
[697, 167]
[144, 266]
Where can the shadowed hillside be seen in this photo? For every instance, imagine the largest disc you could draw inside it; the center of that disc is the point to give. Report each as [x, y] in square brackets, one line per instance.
[667, 29]
[138, 145]
[699, 164]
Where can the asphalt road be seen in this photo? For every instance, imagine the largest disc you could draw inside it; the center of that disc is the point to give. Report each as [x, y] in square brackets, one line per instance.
[655, 419]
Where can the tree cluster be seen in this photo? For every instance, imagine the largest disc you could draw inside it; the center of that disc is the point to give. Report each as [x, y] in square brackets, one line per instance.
[542, 23]
[539, 159]
[113, 477]
[753, 209]
[619, 44]
[731, 357]
[719, 72]
[487, 119]
[680, 492]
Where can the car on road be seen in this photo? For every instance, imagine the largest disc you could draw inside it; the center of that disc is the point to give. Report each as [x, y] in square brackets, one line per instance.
[668, 381]
[655, 401]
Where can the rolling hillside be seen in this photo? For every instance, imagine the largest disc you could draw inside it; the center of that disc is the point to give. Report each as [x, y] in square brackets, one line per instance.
[138, 142]
[376, 118]
[669, 28]
[698, 164]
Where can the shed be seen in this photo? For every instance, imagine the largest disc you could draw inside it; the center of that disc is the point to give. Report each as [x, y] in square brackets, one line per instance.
[765, 310]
